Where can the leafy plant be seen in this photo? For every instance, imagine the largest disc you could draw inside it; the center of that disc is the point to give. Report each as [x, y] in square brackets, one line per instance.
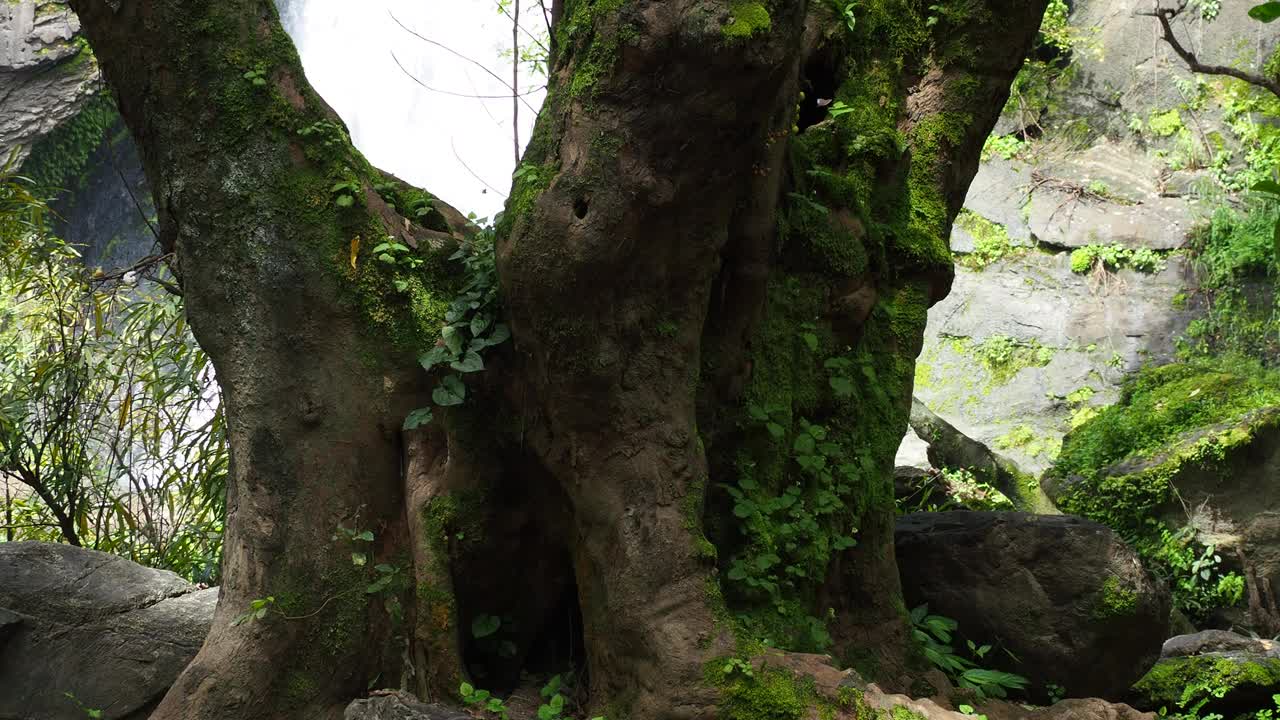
[1092, 258]
[471, 328]
[934, 635]
[109, 418]
[258, 609]
[483, 700]
[257, 76]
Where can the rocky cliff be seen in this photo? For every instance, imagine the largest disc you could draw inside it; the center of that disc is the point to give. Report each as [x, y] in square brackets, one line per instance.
[1072, 261]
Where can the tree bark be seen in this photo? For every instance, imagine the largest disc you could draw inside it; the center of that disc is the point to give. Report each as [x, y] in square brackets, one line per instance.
[690, 241]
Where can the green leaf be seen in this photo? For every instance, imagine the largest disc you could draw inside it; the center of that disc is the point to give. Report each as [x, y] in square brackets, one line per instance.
[811, 341]
[452, 338]
[484, 625]
[470, 362]
[366, 536]
[359, 559]
[776, 430]
[498, 335]
[479, 324]
[344, 201]
[1266, 12]
[417, 419]
[1270, 187]
[433, 357]
[552, 687]
[842, 386]
[449, 392]
[803, 445]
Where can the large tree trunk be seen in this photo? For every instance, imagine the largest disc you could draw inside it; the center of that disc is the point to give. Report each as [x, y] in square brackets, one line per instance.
[700, 265]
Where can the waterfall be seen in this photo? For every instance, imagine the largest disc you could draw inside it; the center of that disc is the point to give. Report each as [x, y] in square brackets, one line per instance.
[458, 148]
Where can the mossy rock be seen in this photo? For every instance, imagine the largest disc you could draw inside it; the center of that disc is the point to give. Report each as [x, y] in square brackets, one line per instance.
[1245, 682]
[1204, 436]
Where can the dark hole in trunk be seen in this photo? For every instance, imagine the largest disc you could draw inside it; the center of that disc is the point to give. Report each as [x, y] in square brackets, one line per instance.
[819, 85]
[520, 617]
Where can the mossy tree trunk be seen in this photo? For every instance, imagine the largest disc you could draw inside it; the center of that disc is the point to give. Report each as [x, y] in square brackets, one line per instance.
[715, 262]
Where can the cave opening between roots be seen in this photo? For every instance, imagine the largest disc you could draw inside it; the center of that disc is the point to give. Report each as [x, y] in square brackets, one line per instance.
[521, 620]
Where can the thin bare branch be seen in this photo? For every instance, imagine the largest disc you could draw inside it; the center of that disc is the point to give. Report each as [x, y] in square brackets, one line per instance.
[425, 86]
[1166, 15]
[451, 51]
[515, 81]
[536, 40]
[473, 172]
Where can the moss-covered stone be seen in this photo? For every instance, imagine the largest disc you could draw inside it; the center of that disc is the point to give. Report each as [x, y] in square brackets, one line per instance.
[1177, 684]
[748, 18]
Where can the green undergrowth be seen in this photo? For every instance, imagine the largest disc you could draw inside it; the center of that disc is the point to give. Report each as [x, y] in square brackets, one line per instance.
[59, 161]
[813, 459]
[1091, 258]
[1120, 467]
[751, 691]
[1239, 274]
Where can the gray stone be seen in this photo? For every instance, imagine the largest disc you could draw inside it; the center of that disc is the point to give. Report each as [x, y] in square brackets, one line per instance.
[913, 452]
[110, 632]
[1107, 195]
[950, 448]
[1132, 73]
[1095, 329]
[398, 705]
[1218, 642]
[43, 77]
[1063, 595]
[998, 193]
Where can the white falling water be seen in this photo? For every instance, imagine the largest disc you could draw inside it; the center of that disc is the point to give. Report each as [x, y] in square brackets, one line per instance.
[458, 148]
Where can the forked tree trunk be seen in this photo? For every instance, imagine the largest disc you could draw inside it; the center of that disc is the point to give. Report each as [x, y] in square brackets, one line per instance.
[727, 229]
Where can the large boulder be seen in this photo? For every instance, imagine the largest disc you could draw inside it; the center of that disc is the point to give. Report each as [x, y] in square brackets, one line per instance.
[1197, 447]
[1066, 598]
[949, 448]
[80, 629]
[1231, 673]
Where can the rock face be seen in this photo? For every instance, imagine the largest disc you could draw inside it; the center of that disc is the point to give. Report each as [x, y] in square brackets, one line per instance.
[1133, 185]
[44, 77]
[1133, 75]
[1064, 595]
[112, 633]
[1021, 347]
[48, 76]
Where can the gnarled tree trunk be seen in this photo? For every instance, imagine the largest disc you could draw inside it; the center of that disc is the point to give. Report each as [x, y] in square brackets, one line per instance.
[715, 262]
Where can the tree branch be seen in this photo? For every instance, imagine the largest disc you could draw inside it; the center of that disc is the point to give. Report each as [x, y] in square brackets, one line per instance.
[1166, 14]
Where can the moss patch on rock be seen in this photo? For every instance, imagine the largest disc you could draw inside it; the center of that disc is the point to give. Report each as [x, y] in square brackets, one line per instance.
[1178, 684]
[749, 18]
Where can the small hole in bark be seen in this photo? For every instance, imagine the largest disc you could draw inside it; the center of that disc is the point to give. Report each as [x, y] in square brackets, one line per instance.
[580, 208]
[819, 86]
